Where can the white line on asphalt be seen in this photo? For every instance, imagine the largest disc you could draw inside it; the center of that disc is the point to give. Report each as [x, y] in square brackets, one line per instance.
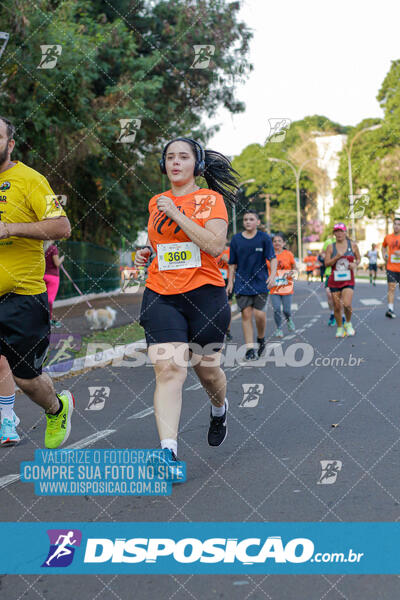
[324, 304]
[295, 306]
[7, 479]
[299, 330]
[142, 413]
[289, 337]
[370, 301]
[196, 386]
[91, 439]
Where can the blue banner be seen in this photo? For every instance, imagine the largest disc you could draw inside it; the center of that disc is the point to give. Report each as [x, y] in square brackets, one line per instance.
[218, 548]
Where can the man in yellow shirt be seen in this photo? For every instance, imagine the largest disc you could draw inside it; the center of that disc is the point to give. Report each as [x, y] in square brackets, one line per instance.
[29, 214]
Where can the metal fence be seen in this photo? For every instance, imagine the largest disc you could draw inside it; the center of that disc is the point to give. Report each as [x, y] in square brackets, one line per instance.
[93, 268]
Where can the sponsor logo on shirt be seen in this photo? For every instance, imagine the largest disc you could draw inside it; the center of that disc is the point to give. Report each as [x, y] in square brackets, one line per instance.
[3, 198]
[5, 186]
[258, 249]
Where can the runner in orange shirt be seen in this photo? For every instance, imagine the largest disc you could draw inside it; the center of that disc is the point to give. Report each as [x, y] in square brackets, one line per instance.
[282, 293]
[311, 262]
[185, 309]
[391, 256]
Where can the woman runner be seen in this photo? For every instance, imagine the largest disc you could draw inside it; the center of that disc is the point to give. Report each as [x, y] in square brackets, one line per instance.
[282, 293]
[344, 257]
[185, 311]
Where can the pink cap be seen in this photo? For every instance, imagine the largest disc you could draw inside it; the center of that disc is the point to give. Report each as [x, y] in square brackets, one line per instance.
[339, 226]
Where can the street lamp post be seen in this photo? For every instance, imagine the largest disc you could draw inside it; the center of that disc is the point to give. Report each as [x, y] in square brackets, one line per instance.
[348, 152]
[234, 228]
[297, 174]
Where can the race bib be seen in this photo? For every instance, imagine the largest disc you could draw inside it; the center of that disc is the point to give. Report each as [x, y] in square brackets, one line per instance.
[182, 255]
[279, 281]
[342, 275]
[395, 259]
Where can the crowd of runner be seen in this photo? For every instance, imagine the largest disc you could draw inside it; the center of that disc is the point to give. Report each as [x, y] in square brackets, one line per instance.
[192, 276]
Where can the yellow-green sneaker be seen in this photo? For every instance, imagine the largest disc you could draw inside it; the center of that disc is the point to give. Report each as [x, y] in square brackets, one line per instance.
[59, 426]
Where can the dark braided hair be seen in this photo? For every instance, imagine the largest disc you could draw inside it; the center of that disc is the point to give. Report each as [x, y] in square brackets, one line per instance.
[221, 176]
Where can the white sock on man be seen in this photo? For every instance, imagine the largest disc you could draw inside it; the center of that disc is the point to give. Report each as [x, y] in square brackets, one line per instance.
[390, 306]
[218, 411]
[170, 444]
[7, 407]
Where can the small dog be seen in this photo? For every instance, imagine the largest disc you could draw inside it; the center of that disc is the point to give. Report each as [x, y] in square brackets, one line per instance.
[102, 318]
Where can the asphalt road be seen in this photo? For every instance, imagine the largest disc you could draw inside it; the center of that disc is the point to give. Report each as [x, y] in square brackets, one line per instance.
[343, 405]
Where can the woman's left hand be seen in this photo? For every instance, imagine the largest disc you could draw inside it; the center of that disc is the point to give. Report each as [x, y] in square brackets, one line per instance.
[167, 206]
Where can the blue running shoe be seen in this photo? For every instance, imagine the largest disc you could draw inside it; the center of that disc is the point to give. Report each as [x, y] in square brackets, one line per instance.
[8, 432]
[290, 325]
[332, 321]
[166, 458]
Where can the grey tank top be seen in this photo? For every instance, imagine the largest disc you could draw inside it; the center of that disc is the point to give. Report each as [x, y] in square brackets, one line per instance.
[349, 251]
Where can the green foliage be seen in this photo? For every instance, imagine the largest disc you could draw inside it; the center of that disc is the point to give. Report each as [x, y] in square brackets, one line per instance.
[120, 60]
[278, 179]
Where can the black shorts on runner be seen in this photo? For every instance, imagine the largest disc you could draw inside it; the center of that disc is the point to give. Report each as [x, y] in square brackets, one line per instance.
[393, 276]
[200, 316]
[373, 267]
[24, 332]
[345, 287]
[257, 301]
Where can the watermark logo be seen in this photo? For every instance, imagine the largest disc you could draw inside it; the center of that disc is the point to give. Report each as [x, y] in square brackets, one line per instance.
[97, 397]
[62, 547]
[50, 54]
[131, 282]
[358, 204]
[277, 129]
[202, 56]
[4, 37]
[329, 471]
[60, 356]
[204, 205]
[129, 129]
[54, 202]
[251, 394]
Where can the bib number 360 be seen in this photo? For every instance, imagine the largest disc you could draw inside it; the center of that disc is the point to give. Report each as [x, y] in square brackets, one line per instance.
[183, 255]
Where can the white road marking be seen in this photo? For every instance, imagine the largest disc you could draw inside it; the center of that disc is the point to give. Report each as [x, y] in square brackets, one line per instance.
[289, 337]
[88, 441]
[91, 439]
[295, 306]
[142, 413]
[196, 386]
[370, 301]
[7, 479]
[324, 304]
[299, 330]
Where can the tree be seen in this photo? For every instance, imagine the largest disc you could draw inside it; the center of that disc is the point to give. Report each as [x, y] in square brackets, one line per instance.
[125, 60]
[278, 179]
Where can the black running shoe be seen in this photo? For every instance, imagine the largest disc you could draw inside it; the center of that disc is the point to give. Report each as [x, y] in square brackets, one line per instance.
[218, 429]
[389, 313]
[228, 336]
[251, 354]
[261, 346]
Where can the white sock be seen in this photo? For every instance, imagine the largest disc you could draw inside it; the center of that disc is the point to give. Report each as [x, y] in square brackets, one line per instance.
[391, 306]
[218, 411]
[170, 444]
[7, 407]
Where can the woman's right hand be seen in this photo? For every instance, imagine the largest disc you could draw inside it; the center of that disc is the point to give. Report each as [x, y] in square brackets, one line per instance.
[142, 256]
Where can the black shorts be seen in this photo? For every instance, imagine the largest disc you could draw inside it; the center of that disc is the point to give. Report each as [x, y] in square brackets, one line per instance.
[24, 332]
[373, 267]
[345, 287]
[257, 301]
[393, 276]
[200, 316]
